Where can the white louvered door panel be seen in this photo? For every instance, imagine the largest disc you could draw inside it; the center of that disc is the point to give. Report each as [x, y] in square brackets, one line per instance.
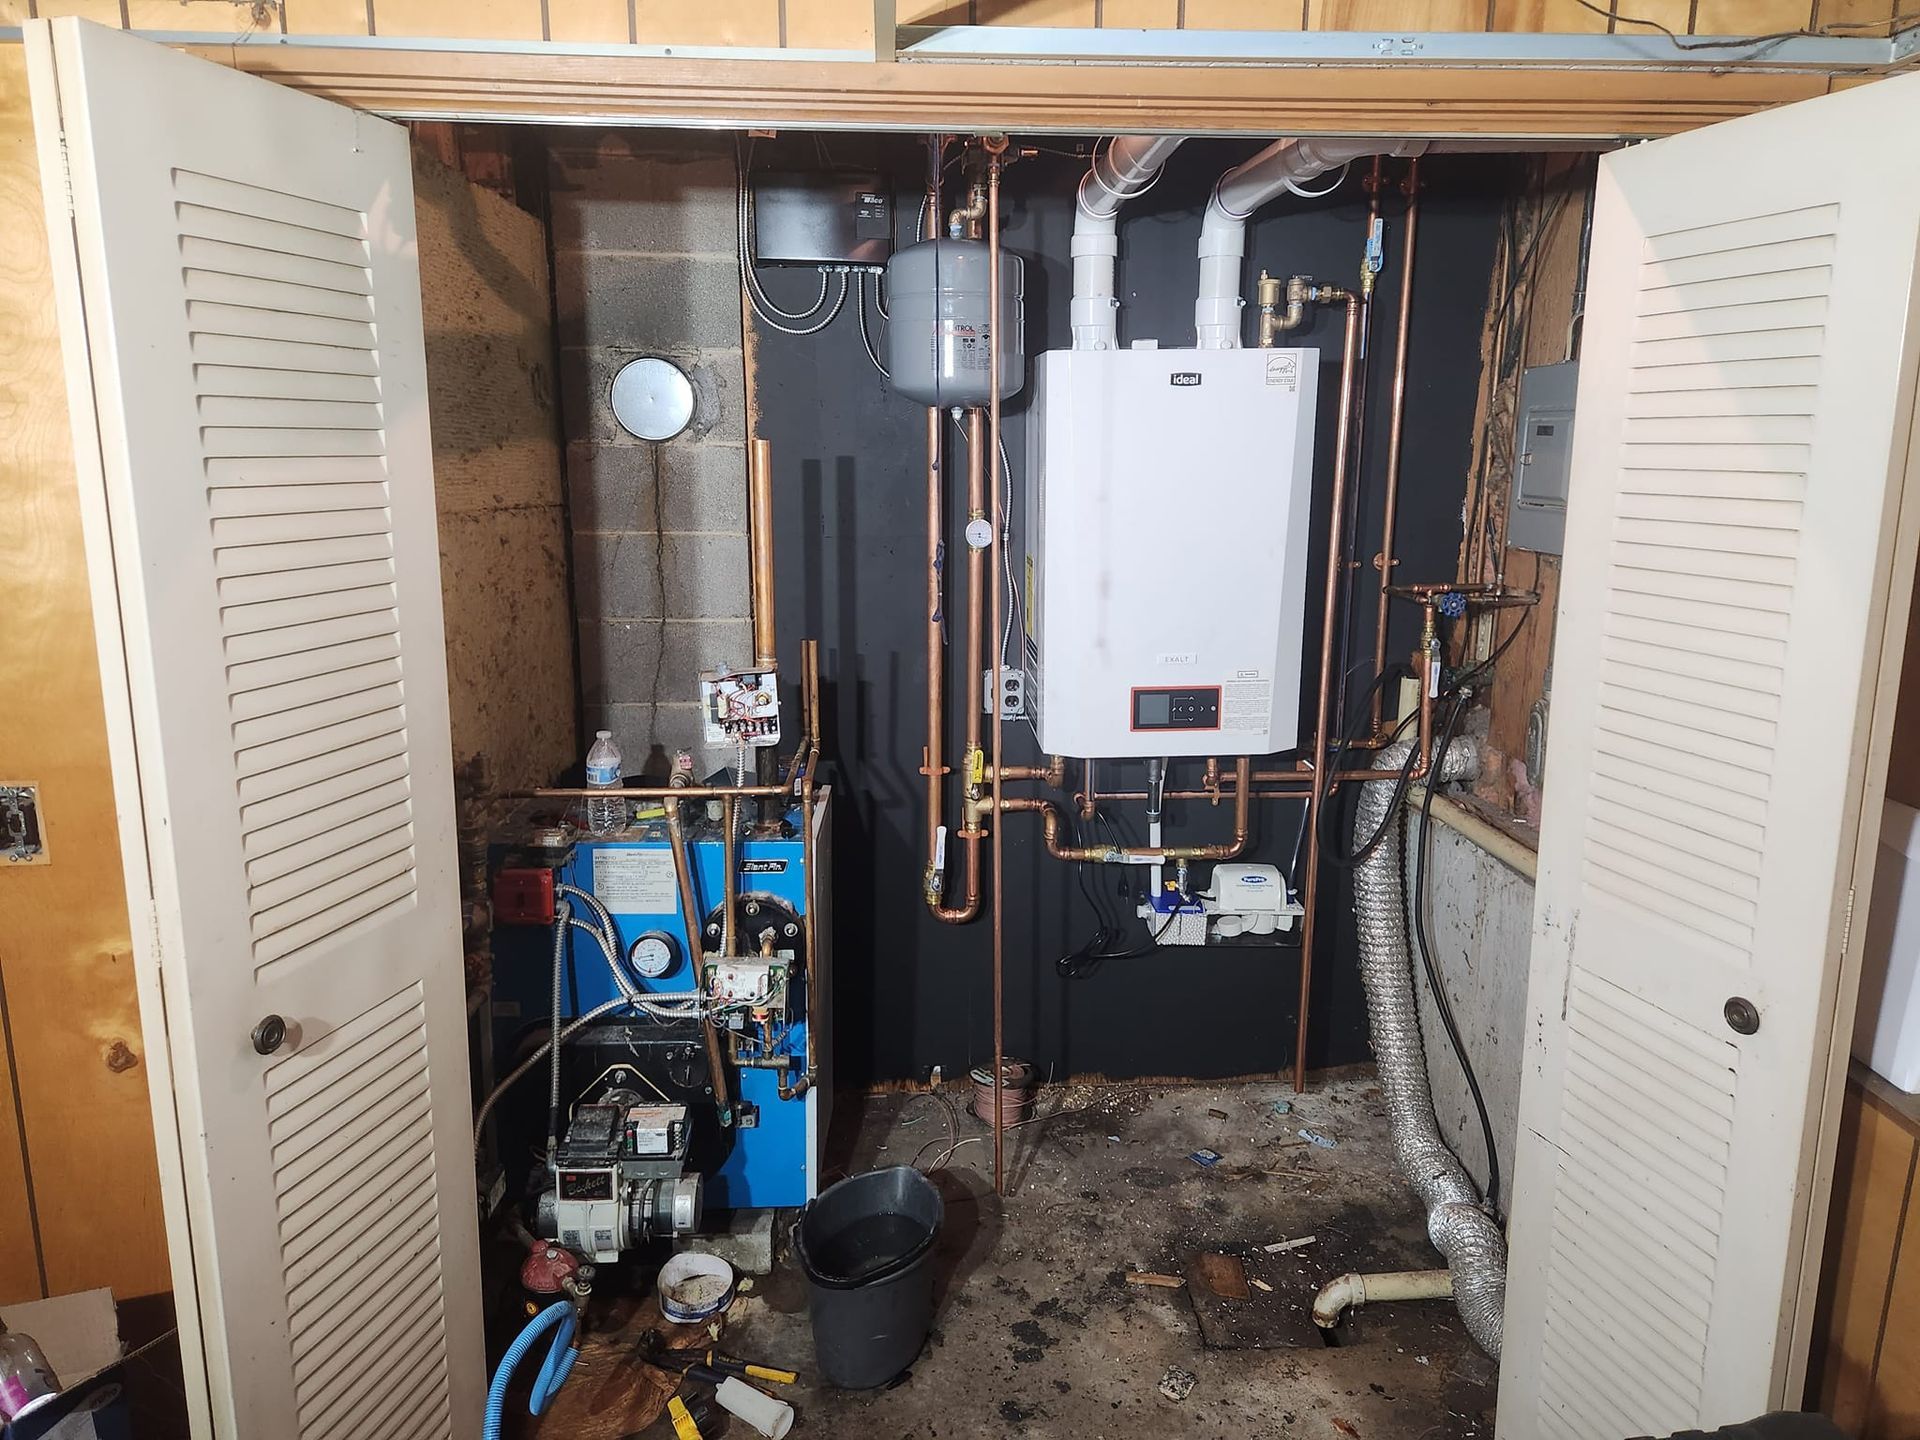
[1735, 527]
[241, 315]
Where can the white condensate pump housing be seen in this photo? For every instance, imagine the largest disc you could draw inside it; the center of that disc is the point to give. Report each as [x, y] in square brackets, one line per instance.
[1166, 532]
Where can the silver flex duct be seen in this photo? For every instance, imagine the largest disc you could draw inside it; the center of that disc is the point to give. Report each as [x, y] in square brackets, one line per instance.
[1457, 1222]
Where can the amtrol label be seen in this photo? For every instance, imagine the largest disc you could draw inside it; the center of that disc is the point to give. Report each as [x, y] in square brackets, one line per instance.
[1184, 377]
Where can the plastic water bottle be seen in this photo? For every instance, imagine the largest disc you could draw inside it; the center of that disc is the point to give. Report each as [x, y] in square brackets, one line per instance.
[25, 1375]
[605, 817]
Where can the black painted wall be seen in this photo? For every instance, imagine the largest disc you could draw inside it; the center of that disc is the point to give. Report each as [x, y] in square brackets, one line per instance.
[849, 460]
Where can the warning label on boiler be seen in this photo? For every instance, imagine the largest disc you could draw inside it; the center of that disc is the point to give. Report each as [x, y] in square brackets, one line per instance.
[1246, 705]
[636, 881]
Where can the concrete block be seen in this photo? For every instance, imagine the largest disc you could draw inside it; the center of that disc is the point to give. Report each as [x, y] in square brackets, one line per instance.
[610, 486]
[649, 301]
[719, 390]
[627, 576]
[648, 735]
[609, 198]
[702, 486]
[620, 658]
[744, 1241]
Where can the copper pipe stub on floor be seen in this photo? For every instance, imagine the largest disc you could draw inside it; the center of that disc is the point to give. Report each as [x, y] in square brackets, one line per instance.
[1017, 1092]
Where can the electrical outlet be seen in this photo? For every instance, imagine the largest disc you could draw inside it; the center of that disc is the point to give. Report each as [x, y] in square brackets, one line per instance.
[1013, 694]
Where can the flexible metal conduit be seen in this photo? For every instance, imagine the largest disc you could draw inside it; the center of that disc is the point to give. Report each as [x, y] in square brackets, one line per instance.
[1457, 1222]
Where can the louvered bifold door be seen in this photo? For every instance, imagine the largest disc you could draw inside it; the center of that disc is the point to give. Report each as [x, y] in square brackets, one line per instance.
[1734, 534]
[241, 318]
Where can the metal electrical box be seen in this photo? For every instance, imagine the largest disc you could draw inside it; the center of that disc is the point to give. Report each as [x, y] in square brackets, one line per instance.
[1542, 458]
[1166, 533]
[815, 218]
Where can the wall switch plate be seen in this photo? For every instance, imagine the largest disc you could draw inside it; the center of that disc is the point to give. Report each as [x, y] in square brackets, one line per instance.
[1013, 694]
[21, 839]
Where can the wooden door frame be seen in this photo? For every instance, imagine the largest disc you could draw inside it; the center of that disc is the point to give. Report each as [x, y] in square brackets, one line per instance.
[543, 85]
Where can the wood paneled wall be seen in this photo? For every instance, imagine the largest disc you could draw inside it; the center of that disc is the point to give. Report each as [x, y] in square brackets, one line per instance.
[1865, 1369]
[849, 24]
[79, 1189]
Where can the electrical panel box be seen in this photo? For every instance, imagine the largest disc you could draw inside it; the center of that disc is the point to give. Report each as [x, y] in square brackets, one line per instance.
[816, 218]
[1542, 458]
[1166, 550]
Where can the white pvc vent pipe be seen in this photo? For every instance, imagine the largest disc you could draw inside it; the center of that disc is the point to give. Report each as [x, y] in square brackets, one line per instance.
[1123, 167]
[1243, 190]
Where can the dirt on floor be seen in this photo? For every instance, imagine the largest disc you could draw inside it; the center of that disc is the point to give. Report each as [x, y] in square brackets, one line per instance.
[1038, 1331]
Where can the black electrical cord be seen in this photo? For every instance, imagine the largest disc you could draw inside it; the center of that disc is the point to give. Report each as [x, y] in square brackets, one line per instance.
[1330, 846]
[1087, 959]
[1423, 942]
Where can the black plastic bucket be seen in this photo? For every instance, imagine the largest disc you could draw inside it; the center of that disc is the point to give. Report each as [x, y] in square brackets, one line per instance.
[865, 1247]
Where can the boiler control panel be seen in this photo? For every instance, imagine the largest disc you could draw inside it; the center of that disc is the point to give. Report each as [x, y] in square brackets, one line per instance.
[1193, 708]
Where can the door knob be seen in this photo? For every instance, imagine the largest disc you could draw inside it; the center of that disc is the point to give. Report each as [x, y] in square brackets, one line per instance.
[269, 1034]
[1743, 1016]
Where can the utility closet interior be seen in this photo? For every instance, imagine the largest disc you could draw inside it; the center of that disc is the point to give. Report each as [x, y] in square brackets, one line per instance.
[1089, 783]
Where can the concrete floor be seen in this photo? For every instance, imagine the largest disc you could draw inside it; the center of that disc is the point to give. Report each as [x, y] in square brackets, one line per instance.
[1037, 1332]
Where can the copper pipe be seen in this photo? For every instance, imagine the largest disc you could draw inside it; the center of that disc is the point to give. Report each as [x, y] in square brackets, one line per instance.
[729, 876]
[1336, 553]
[760, 538]
[933, 764]
[655, 792]
[973, 762]
[1053, 773]
[810, 688]
[994, 145]
[1053, 824]
[696, 949]
[1395, 425]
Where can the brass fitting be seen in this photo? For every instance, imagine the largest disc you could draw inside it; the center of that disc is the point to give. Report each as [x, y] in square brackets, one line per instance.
[1268, 290]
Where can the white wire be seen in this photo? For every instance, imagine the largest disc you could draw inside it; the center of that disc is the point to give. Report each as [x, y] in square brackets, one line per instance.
[866, 340]
[879, 279]
[486, 1109]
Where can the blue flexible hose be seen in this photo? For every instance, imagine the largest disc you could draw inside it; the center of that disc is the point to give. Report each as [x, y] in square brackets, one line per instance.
[558, 1317]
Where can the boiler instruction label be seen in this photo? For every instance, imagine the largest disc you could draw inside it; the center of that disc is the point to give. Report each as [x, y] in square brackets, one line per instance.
[1246, 703]
[637, 881]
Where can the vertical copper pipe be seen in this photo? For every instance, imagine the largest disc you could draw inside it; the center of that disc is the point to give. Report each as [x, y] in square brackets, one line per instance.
[934, 884]
[1390, 514]
[994, 147]
[729, 874]
[1336, 552]
[973, 763]
[935, 758]
[690, 914]
[810, 691]
[760, 527]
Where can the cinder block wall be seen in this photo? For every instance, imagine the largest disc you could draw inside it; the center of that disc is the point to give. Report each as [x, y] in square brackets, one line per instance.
[645, 264]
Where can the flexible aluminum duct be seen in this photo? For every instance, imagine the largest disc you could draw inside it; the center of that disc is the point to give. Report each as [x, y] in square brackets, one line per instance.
[1457, 1223]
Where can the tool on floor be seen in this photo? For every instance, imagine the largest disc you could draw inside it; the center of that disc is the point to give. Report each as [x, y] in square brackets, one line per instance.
[713, 1360]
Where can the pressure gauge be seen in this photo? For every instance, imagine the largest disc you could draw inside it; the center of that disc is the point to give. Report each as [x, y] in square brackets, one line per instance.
[979, 533]
[654, 954]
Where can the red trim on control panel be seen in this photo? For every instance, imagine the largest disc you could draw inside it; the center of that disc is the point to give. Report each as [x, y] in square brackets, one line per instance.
[1133, 709]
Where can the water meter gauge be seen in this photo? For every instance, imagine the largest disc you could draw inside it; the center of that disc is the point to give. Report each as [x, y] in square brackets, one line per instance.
[654, 954]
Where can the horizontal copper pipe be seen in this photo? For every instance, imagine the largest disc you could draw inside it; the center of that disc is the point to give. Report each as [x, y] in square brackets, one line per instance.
[1054, 822]
[656, 792]
[1053, 773]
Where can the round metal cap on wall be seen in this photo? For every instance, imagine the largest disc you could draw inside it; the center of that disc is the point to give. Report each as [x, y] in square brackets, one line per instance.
[652, 398]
